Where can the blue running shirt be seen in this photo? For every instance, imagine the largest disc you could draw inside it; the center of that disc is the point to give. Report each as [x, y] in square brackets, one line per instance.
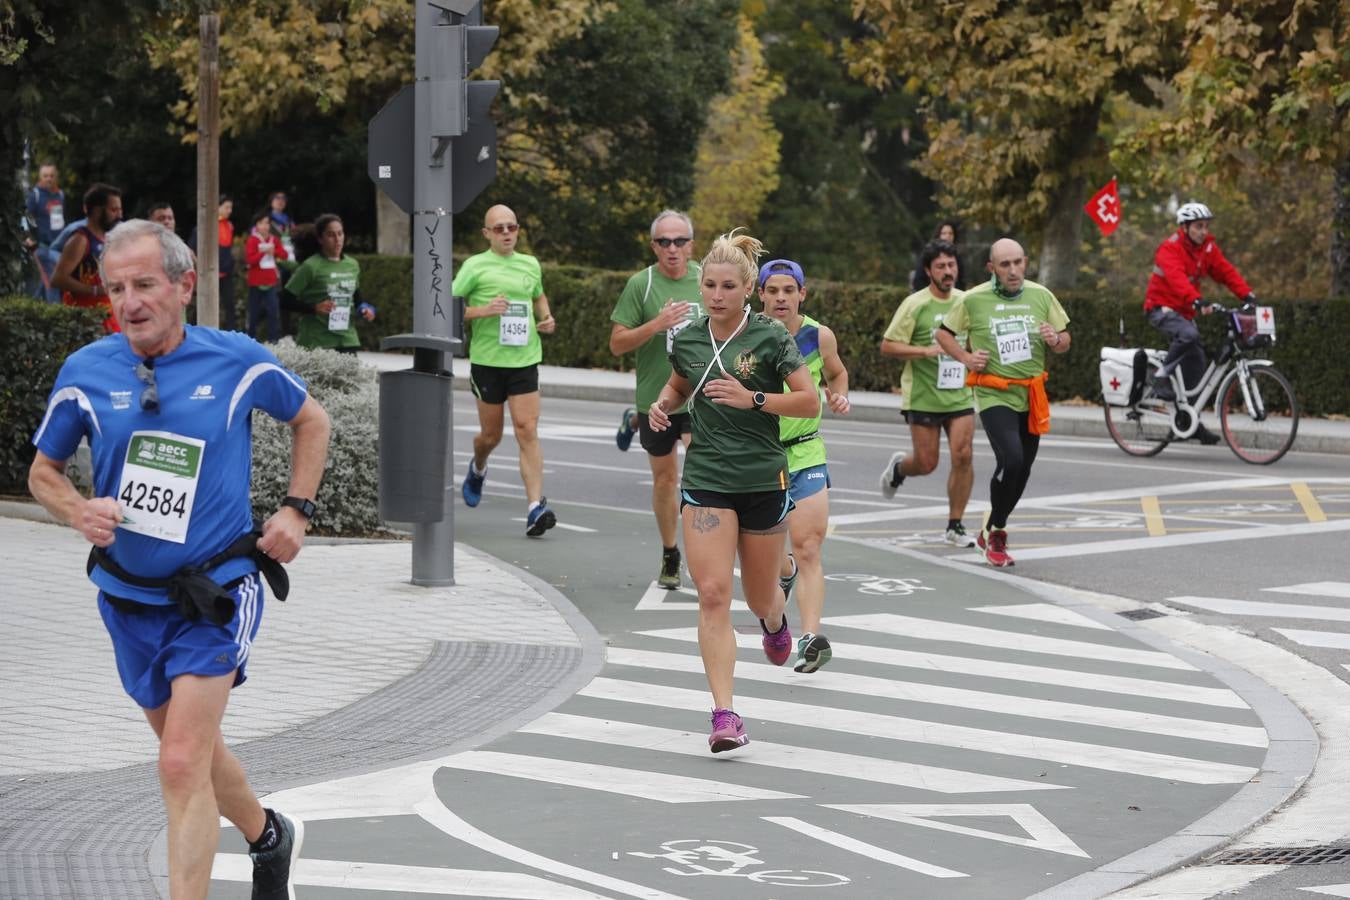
[208, 388]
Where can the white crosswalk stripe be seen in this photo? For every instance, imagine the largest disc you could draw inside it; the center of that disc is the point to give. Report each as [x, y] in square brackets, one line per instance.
[934, 630]
[871, 686]
[1002, 670]
[918, 731]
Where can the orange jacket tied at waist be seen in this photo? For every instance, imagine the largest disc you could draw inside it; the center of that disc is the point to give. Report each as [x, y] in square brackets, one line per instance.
[1037, 399]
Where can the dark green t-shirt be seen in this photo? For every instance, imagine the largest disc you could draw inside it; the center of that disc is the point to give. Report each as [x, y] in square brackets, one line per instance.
[642, 299]
[735, 451]
[316, 280]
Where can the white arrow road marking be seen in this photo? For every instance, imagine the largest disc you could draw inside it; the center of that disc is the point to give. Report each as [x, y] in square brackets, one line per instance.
[1044, 612]
[963, 698]
[1043, 834]
[782, 756]
[871, 851]
[933, 630]
[592, 776]
[435, 813]
[990, 668]
[1340, 589]
[1266, 610]
[364, 876]
[918, 731]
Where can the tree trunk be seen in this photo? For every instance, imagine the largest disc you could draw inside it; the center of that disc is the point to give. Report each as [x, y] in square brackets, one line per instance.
[1340, 231]
[1076, 148]
[1063, 235]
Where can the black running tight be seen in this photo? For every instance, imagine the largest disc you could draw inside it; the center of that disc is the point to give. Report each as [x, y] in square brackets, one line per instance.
[1014, 451]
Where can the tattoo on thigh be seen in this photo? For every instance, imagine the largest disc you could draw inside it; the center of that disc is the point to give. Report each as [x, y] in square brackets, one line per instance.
[705, 520]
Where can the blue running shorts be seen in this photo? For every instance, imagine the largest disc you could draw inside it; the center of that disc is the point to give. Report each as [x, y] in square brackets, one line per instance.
[155, 644]
[808, 481]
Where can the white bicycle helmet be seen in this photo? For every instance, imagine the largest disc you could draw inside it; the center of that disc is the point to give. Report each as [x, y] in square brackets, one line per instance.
[1193, 212]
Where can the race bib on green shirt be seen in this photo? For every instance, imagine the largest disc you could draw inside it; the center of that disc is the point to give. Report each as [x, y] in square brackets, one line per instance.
[339, 317]
[1013, 341]
[159, 484]
[514, 330]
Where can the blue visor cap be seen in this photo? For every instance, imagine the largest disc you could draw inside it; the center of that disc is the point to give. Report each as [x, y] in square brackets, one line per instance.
[782, 267]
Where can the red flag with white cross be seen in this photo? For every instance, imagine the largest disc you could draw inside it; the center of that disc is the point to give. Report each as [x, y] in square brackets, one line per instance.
[1104, 208]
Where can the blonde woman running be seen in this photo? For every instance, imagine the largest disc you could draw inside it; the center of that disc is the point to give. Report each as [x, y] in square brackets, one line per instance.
[732, 367]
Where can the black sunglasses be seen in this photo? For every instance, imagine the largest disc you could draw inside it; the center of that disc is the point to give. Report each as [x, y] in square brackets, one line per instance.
[150, 396]
[666, 242]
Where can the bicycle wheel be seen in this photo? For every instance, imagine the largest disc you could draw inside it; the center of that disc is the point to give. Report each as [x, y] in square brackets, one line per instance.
[1143, 429]
[1264, 432]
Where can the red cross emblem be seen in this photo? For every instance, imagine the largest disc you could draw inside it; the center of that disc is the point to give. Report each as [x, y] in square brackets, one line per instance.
[1265, 314]
[1115, 383]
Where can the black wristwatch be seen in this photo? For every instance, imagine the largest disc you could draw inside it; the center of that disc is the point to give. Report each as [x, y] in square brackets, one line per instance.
[306, 507]
[758, 400]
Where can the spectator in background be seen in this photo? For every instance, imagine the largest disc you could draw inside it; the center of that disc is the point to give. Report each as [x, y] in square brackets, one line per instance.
[918, 279]
[46, 207]
[77, 274]
[328, 285]
[225, 241]
[282, 224]
[162, 213]
[262, 252]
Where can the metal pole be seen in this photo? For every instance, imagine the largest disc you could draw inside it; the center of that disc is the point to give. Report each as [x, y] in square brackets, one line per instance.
[208, 172]
[433, 556]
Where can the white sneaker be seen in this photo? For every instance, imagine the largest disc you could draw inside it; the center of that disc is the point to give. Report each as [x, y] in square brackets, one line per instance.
[959, 537]
[888, 482]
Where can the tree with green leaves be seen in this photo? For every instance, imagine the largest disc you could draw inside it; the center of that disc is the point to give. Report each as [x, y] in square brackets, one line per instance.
[850, 205]
[1265, 87]
[737, 163]
[1015, 100]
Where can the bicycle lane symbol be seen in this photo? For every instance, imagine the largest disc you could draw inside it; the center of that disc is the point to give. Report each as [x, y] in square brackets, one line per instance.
[877, 585]
[731, 859]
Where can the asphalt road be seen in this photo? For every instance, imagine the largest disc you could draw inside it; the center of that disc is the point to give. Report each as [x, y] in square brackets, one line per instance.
[970, 739]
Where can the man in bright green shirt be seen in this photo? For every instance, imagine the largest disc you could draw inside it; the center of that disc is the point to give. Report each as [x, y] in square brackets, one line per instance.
[1008, 322]
[506, 310]
[933, 393]
[655, 305]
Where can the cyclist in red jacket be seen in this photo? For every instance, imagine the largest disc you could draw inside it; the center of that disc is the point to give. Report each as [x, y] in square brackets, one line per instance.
[1173, 297]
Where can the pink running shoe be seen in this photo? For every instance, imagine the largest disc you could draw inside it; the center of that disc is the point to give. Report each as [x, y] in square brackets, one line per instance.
[728, 731]
[778, 645]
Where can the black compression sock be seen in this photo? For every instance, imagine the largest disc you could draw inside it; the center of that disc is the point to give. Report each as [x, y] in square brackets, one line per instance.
[271, 834]
[952, 523]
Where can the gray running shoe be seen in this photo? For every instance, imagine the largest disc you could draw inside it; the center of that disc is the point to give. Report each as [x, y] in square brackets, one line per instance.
[272, 868]
[891, 477]
[670, 569]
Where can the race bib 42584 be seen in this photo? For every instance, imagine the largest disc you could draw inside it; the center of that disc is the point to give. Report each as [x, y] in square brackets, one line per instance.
[159, 484]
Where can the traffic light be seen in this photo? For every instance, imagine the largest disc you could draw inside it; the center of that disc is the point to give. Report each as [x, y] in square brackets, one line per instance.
[451, 42]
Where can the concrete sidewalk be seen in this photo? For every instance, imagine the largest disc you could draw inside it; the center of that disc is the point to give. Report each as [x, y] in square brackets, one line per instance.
[1317, 435]
[359, 670]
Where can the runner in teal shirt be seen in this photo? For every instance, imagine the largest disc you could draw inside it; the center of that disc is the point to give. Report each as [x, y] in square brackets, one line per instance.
[782, 289]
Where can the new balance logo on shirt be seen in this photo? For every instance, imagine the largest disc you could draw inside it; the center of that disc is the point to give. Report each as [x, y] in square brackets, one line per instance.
[203, 392]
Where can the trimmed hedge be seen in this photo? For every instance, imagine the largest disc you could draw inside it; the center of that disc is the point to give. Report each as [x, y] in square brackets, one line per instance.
[582, 299]
[35, 339]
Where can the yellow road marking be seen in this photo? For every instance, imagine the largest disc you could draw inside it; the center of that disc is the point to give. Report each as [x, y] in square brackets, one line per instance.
[1153, 517]
[1311, 508]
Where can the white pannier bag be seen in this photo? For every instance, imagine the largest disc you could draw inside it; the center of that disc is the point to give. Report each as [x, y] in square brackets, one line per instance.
[1122, 372]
